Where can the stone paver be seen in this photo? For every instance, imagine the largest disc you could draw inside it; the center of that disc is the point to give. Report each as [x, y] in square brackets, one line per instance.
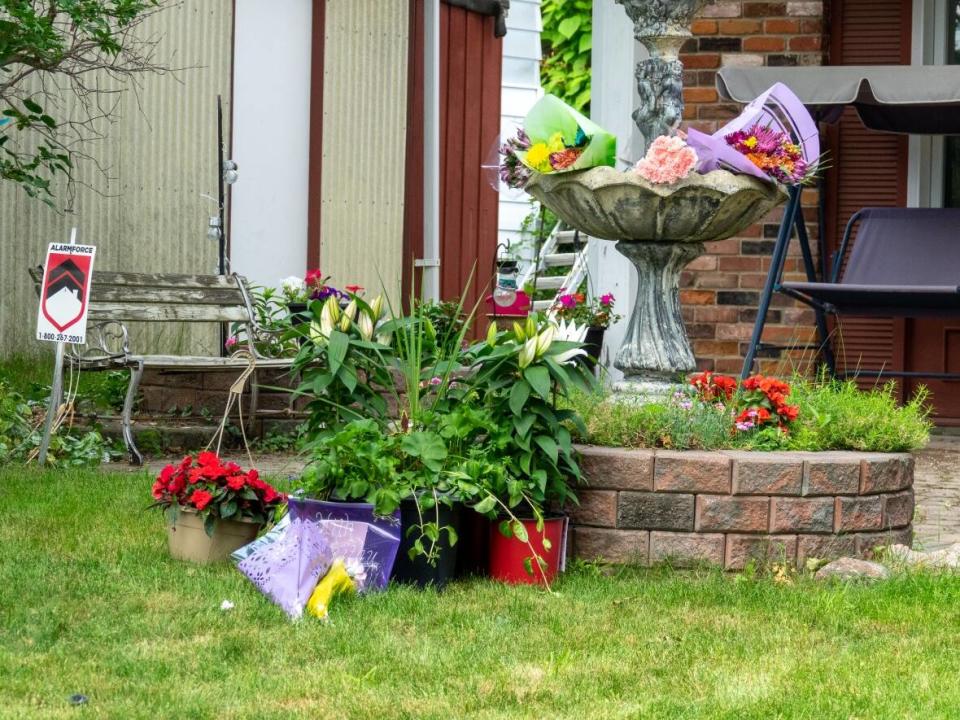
[937, 490]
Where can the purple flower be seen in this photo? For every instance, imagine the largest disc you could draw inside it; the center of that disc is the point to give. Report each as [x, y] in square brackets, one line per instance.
[568, 301]
[326, 291]
[607, 299]
[744, 426]
[231, 342]
[435, 381]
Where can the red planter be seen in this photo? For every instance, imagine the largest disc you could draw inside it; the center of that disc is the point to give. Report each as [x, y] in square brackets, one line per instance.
[507, 554]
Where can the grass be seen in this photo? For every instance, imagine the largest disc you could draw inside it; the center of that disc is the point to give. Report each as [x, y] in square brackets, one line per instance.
[834, 415]
[92, 604]
[32, 376]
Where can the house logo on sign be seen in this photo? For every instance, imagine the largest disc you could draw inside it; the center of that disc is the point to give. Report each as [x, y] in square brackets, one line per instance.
[65, 293]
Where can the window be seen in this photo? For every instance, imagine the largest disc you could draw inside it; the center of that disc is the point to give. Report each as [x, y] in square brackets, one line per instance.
[951, 180]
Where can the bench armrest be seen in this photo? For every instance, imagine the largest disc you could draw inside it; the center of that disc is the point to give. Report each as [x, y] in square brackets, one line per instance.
[106, 341]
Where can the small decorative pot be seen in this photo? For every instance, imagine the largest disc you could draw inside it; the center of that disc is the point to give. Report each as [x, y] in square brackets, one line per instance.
[189, 541]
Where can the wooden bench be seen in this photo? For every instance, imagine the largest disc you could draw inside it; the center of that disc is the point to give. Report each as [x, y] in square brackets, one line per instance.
[117, 298]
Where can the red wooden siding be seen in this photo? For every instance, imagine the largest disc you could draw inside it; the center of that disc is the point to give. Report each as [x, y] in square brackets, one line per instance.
[470, 68]
[868, 168]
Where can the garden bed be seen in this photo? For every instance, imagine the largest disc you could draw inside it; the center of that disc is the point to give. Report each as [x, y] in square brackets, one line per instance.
[728, 507]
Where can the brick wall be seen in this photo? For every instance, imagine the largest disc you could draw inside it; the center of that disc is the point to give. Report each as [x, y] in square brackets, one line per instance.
[720, 290]
[726, 508]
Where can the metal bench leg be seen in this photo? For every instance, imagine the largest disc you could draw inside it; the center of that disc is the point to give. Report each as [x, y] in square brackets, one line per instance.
[773, 277]
[825, 349]
[136, 373]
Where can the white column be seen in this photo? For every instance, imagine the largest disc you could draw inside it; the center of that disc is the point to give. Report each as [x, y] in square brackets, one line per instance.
[613, 98]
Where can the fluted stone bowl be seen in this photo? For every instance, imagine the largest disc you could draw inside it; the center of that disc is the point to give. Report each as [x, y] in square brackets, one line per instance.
[658, 228]
[611, 205]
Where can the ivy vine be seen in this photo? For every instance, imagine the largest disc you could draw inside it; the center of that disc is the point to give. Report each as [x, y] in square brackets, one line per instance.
[567, 38]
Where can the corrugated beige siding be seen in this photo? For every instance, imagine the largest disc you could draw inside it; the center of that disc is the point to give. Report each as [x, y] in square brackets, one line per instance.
[364, 134]
[162, 154]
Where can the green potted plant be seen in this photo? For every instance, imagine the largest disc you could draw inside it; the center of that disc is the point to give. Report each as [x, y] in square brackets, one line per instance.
[213, 507]
[595, 314]
[518, 376]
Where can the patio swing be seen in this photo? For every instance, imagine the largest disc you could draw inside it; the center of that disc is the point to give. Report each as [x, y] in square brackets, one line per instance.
[905, 261]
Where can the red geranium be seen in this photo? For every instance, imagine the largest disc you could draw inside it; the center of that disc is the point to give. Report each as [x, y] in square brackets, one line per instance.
[200, 499]
[712, 387]
[215, 490]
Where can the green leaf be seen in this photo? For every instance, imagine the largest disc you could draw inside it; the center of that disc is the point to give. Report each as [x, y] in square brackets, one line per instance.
[523, 424]
[519, 531]
[485, 505]
[547, 545]
[518, 396]
[452, 536]
[506, 529]
[32, 106]
[548, 445]
[228, 509]
[539, 378]
[567, 28]
[586, 43]
[337, 347]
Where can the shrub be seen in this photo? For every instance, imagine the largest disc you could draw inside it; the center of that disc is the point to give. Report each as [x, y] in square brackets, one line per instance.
[831, 415]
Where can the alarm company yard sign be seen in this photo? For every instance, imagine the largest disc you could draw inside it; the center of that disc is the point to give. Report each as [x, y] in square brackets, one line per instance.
[65, 293]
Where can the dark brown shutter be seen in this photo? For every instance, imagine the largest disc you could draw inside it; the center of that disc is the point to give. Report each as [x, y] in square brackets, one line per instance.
[867, 168]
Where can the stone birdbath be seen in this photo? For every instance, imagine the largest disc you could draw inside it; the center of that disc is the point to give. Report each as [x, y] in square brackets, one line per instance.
[659, 228]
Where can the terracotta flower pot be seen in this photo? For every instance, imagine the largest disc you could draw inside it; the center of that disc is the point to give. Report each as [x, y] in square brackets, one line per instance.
[189, 541]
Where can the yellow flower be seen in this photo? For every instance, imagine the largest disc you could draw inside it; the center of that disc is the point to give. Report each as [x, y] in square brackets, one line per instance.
[538, 157]
[750, 142]
[555, 143]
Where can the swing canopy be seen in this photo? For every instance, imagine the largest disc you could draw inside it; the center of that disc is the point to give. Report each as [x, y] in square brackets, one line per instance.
[905, 261]
[910, 99]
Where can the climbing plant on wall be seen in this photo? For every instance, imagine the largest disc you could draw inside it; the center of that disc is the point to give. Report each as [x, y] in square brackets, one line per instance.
[567, 39]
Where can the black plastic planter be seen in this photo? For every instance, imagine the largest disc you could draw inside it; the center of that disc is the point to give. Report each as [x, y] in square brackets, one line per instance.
[418, 571]
[473, 547]
[593, 344]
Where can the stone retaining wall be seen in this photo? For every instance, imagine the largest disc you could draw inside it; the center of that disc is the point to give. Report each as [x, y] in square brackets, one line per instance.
[726, 507]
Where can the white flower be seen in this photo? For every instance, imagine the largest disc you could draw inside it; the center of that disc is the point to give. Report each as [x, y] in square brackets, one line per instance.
[570, 332]
[226, 605]
[545, 340]
[528, 351]
[365, 326]
[293, 287]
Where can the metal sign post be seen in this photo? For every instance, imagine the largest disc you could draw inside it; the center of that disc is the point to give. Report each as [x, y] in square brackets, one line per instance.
[57, 390]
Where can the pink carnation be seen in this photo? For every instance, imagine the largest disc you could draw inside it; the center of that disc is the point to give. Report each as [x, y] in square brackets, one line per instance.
[668, 159]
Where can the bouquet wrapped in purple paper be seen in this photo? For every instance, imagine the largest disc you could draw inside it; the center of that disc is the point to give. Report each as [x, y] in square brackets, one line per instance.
[774, 138]
[289, 562]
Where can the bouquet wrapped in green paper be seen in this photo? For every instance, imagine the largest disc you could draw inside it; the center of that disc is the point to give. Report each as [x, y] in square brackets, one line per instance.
[562, 139]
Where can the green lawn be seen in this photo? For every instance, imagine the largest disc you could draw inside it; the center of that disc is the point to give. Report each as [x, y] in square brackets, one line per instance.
[90, 603]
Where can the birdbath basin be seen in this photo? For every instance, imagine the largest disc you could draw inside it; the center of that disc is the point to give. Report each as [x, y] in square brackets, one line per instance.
[660, 229]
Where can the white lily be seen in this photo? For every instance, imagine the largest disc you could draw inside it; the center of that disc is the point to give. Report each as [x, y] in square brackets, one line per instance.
[492, 334]
[347, 316]
[570, 332]
[329, 316]
[376, 307]
[545, 340]
[527, 353]
[365, 326]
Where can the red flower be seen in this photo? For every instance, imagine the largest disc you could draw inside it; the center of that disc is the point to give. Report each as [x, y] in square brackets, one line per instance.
[200, 499]
[195, 475]
[313, 278]
[725, 384]
[269, 494]
[236, 482]
[788, 413]
[353, 289]
[177, 484]
[158, 489]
